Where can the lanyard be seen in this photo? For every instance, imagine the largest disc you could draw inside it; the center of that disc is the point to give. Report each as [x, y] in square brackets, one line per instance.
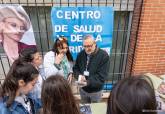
[87, 63]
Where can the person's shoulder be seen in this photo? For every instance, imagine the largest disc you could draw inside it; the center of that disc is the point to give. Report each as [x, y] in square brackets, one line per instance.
[26, 45]
[102, 52]
[49, 53]
[2, 104]
[3, 108]
[81, 52]
[15, 108]
[22, 46]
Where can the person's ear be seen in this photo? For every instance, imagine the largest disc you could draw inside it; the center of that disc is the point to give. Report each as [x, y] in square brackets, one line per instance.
[21, 83]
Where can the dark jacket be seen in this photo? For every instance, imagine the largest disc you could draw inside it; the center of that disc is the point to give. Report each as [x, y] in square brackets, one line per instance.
[98, 68]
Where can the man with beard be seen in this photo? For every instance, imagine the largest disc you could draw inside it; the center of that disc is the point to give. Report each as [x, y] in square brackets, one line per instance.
[91, 69]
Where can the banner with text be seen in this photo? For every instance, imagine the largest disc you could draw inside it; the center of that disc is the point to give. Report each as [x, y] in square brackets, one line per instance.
[75, 22]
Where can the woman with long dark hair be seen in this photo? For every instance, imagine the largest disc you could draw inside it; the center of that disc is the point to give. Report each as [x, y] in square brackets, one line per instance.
[57, 97]
[59, 60]
[32, 56]
[15, 98]
[132, 95]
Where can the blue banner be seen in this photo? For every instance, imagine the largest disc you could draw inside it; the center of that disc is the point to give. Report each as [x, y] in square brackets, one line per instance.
[75, 22]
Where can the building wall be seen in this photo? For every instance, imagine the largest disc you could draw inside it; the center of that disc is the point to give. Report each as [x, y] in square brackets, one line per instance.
[150, 47]
[39, 13]
[119, 5]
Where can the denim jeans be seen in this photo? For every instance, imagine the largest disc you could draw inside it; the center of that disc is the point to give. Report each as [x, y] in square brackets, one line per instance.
[90, 97]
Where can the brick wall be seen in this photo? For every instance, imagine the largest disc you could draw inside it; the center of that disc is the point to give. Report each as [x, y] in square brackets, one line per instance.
[150, 47]
[133, 35]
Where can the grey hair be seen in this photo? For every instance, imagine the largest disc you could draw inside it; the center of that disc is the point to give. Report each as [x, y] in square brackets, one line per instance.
[88, 36]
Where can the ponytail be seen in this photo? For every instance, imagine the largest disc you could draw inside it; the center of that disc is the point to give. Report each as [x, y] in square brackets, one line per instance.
[10, 87]
[18, 71]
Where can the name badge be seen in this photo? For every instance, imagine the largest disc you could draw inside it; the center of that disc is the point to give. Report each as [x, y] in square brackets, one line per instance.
[86, 73]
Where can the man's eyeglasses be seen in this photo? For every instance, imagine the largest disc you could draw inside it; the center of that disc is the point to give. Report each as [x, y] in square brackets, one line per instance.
[88, 46]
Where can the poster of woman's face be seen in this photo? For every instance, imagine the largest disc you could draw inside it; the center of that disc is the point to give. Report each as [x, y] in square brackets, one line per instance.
[16, 31]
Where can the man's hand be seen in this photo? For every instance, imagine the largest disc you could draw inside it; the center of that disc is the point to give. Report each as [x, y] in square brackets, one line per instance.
[82, 80]
[81, 84]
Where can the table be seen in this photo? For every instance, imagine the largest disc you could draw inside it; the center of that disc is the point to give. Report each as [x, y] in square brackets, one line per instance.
[99, 108]
[95, 108]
